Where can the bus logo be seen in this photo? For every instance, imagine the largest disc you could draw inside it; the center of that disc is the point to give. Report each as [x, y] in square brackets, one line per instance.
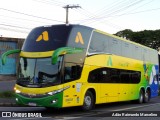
[109, 62]
[43, 36]
[79, 38]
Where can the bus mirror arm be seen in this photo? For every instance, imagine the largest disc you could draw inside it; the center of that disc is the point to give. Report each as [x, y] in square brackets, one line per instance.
[4, 55]
[64, 50]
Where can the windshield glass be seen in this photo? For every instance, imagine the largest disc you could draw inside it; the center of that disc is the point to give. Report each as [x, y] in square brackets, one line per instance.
[39, 72]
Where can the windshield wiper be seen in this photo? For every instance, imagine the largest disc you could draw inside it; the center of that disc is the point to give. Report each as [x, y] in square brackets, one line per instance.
[23, 79]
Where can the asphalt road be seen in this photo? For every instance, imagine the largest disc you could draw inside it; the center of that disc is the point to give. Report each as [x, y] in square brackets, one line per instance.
[111, 111]
[7, 85]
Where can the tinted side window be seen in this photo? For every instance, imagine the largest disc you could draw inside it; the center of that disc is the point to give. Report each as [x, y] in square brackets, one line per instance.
[72, 72]
[110, 75]
[125, 76]
[73, 64]
[94, 76]
[135, 77]
[114, 75]
[104, 75]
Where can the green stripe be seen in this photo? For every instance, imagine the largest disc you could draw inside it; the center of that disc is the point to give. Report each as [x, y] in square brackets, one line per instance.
[43, 102]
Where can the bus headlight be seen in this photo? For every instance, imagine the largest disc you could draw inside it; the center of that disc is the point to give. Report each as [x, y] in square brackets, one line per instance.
[55, 92]
[58, 91]
[16, 90]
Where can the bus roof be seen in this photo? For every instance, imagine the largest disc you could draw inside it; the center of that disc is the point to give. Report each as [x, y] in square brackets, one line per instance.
[49, 38]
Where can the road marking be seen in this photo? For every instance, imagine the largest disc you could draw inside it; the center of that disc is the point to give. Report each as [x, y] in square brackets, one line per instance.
[108, 111]
[135, 107]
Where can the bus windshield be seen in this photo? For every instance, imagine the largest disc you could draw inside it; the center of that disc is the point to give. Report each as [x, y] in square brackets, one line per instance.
[39, 72]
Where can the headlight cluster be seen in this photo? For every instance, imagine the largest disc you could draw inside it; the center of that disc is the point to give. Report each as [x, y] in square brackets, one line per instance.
[58, 91]
[16, 90]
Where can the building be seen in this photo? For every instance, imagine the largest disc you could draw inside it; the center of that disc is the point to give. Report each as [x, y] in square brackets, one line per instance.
[6, 44]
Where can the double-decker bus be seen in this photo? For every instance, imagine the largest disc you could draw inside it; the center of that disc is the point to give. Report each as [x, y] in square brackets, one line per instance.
[74, 65]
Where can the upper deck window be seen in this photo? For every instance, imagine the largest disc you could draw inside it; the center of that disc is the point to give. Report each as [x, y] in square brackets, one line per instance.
[79, 37]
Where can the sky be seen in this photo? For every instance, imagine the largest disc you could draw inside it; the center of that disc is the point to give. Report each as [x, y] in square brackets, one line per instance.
[19, 17]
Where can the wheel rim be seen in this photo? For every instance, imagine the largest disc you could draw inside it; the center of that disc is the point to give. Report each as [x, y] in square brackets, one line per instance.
[88, 101]
[147, 96]
[141, 98]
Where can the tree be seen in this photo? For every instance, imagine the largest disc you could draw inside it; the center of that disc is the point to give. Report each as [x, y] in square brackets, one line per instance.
[150, 38]
[127, 34]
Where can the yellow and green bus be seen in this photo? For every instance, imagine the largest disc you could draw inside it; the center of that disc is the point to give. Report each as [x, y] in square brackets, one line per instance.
[74, 65]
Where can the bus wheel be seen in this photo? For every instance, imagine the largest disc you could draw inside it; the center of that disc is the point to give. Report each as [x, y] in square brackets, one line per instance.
[141, 97]
[88, 103]
[147, 96]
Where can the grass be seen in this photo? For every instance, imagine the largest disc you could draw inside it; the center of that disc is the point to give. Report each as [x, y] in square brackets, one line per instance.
[7, 94]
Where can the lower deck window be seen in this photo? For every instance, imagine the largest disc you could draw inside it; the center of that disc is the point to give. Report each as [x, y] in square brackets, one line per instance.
[112, 75]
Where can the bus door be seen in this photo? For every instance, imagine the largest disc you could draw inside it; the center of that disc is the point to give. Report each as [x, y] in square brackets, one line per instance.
[71, 96]
[73, 87]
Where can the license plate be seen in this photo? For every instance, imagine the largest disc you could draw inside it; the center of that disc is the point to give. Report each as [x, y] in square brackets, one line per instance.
[32, 104]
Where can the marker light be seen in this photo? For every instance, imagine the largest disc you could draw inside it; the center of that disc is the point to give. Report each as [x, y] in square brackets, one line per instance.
[54, 101]
[17, 99]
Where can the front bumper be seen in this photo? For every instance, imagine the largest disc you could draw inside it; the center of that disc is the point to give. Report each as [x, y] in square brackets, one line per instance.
[47, 101]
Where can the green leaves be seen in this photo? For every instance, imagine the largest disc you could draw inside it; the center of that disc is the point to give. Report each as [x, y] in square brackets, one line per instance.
[150, 38]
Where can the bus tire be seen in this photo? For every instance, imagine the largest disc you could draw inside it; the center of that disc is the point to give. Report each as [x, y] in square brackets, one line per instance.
[141, 97]
[147, 96]
[88, 103]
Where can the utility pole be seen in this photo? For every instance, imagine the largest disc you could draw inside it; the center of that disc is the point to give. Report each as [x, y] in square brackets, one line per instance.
[67, 10]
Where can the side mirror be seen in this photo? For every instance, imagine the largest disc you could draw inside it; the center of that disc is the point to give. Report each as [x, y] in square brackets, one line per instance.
[4, 55]
[64, 50]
